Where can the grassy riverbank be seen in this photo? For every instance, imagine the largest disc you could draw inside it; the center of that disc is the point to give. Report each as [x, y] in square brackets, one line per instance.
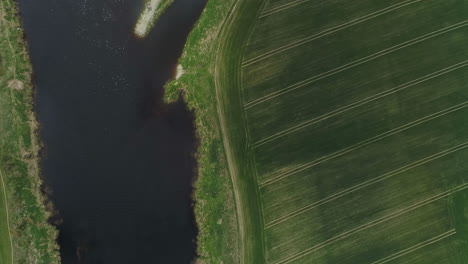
[215, 205]
[25, 235]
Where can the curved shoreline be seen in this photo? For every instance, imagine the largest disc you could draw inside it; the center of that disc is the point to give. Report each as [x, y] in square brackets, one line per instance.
[31, 235]
[215, 206]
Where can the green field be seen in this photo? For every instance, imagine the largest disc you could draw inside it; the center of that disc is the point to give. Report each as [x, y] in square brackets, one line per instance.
[25, 235]
[345, 129]
[6, 250]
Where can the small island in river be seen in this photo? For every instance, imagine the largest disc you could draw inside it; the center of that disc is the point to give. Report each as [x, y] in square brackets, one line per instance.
[153, 9]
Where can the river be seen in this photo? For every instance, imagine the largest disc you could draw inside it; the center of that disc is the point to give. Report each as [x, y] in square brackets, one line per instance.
[118, 163]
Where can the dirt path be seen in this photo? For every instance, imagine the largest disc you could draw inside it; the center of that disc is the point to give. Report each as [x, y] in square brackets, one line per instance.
[229, 155]
[7, 216]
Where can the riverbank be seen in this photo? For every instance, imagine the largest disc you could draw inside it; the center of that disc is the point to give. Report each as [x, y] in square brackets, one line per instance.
[215, 206]
[25, 235]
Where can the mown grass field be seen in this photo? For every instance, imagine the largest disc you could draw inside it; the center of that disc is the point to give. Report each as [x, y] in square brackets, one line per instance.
[25, 235]
[345, 127]
[6, 253]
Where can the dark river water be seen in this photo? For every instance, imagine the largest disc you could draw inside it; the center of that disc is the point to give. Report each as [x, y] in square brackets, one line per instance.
[119, 164]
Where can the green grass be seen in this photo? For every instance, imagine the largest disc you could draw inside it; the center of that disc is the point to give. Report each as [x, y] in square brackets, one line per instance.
[31, 237]
[6, 251]
[215, 206]
[164, 5]
[343, 126]
[356, 117]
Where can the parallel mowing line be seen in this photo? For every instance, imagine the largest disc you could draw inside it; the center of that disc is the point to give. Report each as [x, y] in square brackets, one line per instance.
[429, 240]
[364, 143]
[360, 103]
[366, 184]
[282, 7]
[356, 63]
[372, 223]
[416, 247]
[329, 31]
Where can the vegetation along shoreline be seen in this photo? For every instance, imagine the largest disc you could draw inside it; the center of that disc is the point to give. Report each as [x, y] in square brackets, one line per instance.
[26, 236]
[215, 201]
